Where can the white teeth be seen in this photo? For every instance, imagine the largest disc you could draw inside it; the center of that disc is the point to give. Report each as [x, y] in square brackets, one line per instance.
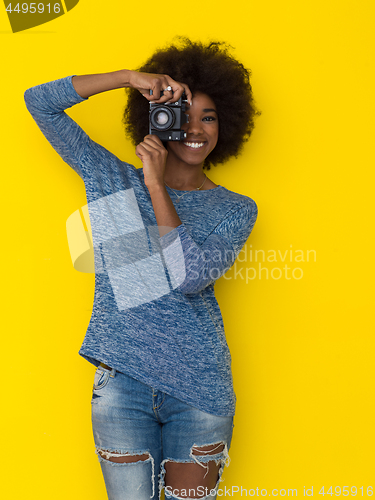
[195, 145]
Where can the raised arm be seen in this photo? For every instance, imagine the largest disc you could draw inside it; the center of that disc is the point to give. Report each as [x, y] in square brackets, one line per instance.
[47, 104]
[88, 85]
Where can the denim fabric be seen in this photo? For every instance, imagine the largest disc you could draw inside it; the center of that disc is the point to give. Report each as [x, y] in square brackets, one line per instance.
[130, 417]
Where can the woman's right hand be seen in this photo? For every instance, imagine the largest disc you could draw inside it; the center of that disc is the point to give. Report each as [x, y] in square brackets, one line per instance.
[144, 82]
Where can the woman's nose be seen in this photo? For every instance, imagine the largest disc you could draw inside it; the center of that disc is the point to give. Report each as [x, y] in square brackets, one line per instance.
[194, 126]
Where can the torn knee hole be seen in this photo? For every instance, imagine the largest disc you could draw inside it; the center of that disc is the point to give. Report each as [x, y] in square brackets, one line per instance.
[211, 449]
[122, 457]
[202, 455]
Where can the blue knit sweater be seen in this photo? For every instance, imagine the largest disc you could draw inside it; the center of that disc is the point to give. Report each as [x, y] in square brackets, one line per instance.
[155, 316]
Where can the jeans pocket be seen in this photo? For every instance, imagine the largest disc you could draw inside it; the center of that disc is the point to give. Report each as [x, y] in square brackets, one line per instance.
[101, 378]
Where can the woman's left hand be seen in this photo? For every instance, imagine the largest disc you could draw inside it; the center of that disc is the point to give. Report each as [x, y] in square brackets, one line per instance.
[153, 155]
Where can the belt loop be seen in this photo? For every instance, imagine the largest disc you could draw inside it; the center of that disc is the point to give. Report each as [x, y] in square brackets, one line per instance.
[113, 372]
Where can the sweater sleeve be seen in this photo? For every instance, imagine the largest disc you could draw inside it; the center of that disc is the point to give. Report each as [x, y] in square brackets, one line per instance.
[191, 267]
[47, 103]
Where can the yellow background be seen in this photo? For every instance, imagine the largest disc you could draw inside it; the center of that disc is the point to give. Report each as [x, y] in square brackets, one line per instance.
[302, 349]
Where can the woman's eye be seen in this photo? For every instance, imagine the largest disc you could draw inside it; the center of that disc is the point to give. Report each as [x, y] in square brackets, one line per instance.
[209, 118]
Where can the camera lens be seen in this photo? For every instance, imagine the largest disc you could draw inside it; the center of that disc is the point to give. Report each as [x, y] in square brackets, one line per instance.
[162, 118]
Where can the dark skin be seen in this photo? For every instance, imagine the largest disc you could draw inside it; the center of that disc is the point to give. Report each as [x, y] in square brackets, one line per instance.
[185, 476]
[181, 167]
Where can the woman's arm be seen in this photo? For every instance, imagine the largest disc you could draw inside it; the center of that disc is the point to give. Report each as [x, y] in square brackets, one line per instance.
[151, 151]
[165, 213]
[153, 156]
[195, 267]
[88, 85]
[47, 104]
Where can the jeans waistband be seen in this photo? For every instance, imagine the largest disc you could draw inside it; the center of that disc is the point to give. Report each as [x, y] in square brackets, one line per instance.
[106, 367]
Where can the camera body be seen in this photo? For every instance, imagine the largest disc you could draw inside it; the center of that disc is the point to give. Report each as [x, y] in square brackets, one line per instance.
[166, 120]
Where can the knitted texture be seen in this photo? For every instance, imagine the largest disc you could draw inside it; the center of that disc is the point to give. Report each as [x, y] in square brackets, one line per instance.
[155, 316]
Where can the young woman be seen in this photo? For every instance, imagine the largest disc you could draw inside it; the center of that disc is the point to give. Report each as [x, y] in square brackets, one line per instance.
[163, 400]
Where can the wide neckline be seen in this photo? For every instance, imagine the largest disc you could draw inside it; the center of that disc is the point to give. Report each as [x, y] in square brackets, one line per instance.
[187, 190]
[193, 190]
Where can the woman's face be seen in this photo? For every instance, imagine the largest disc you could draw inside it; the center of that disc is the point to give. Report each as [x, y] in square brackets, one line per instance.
[202, 132]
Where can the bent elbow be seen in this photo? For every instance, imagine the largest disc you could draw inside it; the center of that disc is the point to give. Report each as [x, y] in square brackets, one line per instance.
[189, 288]
[27, 96]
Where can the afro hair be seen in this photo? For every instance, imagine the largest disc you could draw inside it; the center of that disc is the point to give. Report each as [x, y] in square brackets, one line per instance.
[208, 69]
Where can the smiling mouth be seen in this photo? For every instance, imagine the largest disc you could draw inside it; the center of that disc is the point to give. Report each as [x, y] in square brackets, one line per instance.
[194, 145]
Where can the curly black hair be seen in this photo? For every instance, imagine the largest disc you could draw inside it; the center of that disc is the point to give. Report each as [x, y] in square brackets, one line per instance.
[208, 69]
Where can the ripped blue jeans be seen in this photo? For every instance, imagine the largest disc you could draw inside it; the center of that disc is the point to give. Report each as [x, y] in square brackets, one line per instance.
[132, 418]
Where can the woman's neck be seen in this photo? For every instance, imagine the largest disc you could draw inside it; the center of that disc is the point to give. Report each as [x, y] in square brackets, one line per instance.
[184, 177]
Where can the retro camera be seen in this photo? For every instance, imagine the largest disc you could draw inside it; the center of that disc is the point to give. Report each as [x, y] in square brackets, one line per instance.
[166, 120]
